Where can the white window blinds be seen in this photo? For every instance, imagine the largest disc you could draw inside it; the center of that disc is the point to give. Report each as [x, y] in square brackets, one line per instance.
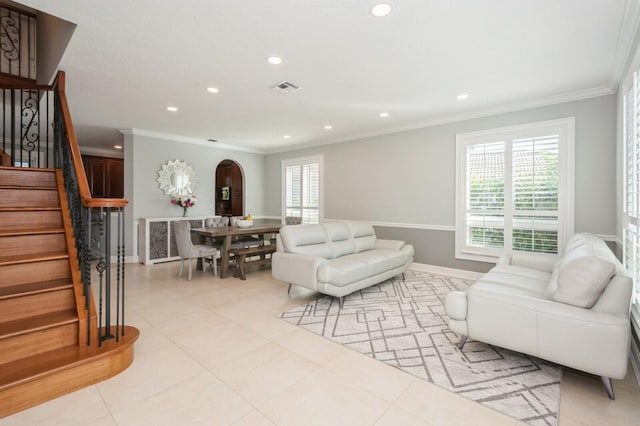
[509, 185]
[631, 117]
[302, 189]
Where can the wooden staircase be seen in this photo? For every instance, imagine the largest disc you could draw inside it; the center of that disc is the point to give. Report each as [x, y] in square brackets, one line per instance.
[44, 323]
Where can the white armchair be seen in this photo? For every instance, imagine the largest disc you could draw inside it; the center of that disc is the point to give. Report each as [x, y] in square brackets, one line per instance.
[189, 251]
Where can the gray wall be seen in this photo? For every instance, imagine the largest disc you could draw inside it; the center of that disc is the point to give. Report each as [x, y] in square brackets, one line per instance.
[145, 155]
[406, 181]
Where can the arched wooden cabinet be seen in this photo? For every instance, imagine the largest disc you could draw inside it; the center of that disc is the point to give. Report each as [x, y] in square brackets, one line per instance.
[229, 189]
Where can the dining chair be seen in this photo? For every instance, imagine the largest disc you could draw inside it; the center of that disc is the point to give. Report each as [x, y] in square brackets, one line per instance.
[189, 251]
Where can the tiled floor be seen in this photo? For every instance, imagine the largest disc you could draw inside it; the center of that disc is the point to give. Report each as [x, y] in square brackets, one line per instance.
[212, 352]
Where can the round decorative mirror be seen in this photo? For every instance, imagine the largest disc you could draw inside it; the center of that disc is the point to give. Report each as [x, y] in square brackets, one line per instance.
[177, 178]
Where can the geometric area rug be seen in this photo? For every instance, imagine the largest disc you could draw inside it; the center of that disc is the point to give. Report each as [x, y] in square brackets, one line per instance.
[402, 323]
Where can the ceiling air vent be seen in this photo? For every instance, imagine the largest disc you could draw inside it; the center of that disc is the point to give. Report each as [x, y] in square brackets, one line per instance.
[285, 87]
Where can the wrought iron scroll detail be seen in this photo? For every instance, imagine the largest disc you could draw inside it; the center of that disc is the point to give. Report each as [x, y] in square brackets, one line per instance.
[30, 114]
[9, 40]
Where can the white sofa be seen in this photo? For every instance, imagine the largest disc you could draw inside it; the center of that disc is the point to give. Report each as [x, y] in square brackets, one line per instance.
[337, 258]
[572, 310]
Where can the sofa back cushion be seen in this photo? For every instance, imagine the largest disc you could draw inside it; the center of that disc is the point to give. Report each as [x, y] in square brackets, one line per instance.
[364, 237]
[583, 273]
[339, 235]
[310, 240]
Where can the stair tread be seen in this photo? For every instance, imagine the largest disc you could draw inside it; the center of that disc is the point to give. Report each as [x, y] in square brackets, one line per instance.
[34, 288]
[30, 187]
[32, 231]
[38, 322]
[30, 258]
[29, 208]
[15, 372]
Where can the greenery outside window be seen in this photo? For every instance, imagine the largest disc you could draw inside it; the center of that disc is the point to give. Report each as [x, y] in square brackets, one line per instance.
[302, 189]
[514, 190]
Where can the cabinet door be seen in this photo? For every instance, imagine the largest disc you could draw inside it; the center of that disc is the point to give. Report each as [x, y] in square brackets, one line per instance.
[96, 171]
[115, 178]
[105, 176]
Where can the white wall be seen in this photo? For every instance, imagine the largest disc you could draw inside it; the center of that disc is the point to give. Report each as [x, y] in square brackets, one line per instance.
[406, 181]
[145, 155]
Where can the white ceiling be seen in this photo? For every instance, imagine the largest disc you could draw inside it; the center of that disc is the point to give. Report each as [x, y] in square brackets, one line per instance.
[128, 60]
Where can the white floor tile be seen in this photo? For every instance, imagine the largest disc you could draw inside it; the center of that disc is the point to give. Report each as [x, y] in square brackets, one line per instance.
[212, 351]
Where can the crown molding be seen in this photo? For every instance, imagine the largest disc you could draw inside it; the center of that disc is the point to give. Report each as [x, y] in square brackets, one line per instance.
[627, 41]
[186, 139]
[577, 95]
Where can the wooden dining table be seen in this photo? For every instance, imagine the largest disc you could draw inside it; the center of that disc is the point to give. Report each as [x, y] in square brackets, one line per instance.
[228, 233]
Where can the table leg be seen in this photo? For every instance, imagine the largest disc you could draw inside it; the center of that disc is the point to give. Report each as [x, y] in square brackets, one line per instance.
[224, 256]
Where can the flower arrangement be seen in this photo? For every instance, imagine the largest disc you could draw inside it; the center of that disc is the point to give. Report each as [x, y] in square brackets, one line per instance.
[184, 201]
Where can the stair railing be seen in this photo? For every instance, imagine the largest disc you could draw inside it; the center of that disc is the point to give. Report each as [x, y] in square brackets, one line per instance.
[93, 225]
[37, 132]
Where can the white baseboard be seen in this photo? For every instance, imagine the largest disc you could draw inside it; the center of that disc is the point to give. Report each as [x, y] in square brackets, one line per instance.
[458, 273]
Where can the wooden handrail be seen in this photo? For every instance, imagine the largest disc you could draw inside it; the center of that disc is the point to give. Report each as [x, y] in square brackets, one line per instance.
[83, 184]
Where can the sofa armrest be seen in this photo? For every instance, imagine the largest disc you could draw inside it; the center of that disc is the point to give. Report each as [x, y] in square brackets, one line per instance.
[298, 269]
[540, 262]
[389, 244]
[455, 305]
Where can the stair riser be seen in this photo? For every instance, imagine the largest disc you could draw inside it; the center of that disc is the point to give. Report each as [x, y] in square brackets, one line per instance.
[22, 177]
[30, 220]
[34, 272]
[14, 348]
[29, 198]
[32, 244]
[36, 304]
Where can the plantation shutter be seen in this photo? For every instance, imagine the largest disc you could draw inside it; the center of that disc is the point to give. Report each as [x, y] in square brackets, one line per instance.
[485, 195]
[631, 115]
[535, 194]
[509, 192]
[302, 190]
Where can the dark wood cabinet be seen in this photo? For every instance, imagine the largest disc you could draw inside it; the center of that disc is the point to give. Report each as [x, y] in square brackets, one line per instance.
[105, 176]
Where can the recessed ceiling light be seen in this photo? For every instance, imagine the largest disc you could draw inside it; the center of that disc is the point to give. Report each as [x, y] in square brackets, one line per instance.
[462, 96]
[328, 127]
[381, 9]
[172, 108]
[274, 60]
[384, 114]
[213, 90]
[117, 146]
[286, 136]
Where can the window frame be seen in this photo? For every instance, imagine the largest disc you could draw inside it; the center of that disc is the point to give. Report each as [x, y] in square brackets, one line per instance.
[565, 128]
[300, 161]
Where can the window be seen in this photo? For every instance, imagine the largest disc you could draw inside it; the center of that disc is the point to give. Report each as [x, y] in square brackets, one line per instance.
[302, 189]
[631, 204]
[514, 190]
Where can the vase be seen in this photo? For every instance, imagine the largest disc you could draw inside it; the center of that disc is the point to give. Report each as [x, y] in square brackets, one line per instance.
[184, 211]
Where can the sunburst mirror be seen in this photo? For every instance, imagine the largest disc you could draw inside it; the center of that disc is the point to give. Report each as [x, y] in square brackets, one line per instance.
[177, 178]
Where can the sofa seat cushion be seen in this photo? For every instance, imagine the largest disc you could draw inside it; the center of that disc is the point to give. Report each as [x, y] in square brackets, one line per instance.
[489, 288]
[537, 285]
[522, 271]
[355, 267]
